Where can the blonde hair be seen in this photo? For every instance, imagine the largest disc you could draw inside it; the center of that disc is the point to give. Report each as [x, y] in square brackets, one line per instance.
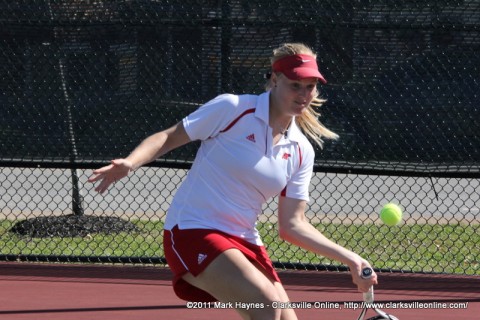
[308, 121]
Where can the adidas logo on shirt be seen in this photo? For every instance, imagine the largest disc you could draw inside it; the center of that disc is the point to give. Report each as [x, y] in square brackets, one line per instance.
[251, 137]
[201, 257]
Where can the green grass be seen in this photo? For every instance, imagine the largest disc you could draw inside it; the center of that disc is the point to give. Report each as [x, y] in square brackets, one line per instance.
[147, 243]
[419, 248]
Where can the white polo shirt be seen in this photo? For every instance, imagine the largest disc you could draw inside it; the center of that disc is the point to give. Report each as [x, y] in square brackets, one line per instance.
[237, 168]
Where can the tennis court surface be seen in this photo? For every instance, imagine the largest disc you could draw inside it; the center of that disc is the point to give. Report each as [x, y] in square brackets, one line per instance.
[70, 291]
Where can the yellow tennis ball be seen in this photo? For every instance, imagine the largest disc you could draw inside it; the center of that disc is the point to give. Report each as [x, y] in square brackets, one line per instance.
[391, 214]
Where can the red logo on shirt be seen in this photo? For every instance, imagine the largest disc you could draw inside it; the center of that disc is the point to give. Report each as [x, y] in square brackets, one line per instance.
[251, 137]
[286, 156]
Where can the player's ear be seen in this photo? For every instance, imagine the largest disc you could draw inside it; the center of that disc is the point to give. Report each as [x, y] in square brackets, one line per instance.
[274, 79]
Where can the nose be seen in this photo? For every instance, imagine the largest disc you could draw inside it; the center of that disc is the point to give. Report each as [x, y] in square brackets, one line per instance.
[303, 92]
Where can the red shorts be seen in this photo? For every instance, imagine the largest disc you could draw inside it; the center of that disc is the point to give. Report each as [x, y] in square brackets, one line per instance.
[192, 250]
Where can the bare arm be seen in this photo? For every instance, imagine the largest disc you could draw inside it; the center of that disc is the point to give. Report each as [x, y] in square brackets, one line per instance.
[295, 228]
[150, 149]
[157, 145]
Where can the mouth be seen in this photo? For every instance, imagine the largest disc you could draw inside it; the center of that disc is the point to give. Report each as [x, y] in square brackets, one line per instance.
[299, 104]
[298, 109]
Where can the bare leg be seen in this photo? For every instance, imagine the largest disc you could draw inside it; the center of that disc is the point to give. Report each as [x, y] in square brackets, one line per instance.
[231, 277]
[287, 314]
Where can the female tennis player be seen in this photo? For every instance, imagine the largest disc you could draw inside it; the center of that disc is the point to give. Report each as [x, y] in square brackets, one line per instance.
[253, 147]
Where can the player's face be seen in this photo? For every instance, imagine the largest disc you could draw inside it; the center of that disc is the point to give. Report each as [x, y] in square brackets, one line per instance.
[294, 96]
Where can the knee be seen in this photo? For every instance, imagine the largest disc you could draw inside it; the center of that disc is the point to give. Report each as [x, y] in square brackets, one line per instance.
[264, 312]
[265, 308]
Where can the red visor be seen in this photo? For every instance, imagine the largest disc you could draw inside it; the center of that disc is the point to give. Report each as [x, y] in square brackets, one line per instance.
[298, 66]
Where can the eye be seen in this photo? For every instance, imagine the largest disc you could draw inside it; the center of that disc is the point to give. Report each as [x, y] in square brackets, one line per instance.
[296, 86]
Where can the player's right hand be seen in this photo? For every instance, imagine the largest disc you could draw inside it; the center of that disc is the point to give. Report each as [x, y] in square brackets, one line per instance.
[116, 170]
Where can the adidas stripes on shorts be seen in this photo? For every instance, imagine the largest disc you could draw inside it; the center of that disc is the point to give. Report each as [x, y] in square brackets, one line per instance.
[192, 250]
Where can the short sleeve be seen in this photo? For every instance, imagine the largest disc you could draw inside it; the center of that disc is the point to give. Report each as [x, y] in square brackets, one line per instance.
[209, 119]
[299, 184]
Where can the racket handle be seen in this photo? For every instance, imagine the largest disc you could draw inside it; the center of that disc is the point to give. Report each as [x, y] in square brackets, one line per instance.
[367, 296]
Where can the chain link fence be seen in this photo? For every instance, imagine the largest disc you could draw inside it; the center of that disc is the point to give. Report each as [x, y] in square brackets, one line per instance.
[83, 82]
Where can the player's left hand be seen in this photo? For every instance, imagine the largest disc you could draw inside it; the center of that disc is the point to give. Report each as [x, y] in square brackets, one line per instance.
[363, 285]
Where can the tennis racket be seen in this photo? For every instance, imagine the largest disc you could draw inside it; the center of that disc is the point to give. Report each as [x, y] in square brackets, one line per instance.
[368, 301]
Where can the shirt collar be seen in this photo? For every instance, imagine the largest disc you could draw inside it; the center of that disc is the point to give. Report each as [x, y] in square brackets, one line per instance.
[261, 109]
[294, 133]
[262, 112]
